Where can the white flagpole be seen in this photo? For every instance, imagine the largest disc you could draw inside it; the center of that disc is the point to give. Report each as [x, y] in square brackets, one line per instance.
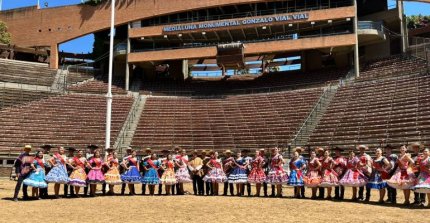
[109, 93]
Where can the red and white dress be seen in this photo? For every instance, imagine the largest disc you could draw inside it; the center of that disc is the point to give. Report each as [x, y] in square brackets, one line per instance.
[353, 176]
[216, 174]
[257, 174]
[329, 176]
[277, 175]
[404, 177]
[313, 176]
[182, 174]
[95, 176]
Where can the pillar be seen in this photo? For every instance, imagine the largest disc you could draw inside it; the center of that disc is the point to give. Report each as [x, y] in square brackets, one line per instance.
[53, 57]
[356, 54]
[402, 24]
[127, 66]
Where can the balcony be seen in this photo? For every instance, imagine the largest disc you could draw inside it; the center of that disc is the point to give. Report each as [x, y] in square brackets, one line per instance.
[370, 32]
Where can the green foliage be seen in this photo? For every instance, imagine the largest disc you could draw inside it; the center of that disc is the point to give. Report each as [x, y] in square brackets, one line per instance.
[4, 34]
[417, 21]
[92, 2]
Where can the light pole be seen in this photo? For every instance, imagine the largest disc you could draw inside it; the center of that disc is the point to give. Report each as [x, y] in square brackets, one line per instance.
[1, 4]
[109, 93]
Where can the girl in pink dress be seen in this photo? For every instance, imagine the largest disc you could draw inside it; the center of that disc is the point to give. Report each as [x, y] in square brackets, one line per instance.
[257, 175]
[353, 177]
[216, 174]
[95, 176]
[404, 177]
[277, 175]
[423, 181]
[313, 176]
[329, 176]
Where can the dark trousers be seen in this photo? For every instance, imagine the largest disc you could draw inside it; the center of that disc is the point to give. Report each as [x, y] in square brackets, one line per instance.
[122, 189]
[209, 189]
[160, 189]
[300, 191]
[226, 187]
[143, 189]
[43, 192]
[321, 192]
[361, 193]
[339, 192]
[18, 188]
[248, 189]
[104, 188]
[392, 195]
[198, 185]
[419, 198]
[86, 189]
[66, 190]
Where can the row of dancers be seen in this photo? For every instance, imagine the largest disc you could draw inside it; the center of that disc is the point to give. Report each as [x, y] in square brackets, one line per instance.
[205, 170]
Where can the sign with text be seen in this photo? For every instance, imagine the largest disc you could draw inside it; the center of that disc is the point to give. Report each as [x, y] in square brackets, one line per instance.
[239, 22]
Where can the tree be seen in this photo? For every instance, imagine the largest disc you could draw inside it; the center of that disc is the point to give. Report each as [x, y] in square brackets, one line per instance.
[92, 2]
[4, 34]
[417, 21]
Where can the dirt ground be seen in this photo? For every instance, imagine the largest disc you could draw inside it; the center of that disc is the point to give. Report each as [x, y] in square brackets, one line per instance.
[190, 208]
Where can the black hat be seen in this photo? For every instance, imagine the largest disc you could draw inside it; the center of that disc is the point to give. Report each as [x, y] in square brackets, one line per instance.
[246, 151]
[110, 149]
[92, 147]
[165, 151]
[46, 147]
[337, 148]
[71, 149]
[388, 146]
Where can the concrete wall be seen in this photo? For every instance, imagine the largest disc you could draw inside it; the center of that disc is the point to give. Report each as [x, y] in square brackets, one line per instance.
[377, 50]
[250, 48]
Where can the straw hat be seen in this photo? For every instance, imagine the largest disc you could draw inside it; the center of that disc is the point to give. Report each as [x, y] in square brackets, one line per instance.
[27, 148]
[416, 145]
[362, 147]
[228, 151]
[298, 149]
[319, 149]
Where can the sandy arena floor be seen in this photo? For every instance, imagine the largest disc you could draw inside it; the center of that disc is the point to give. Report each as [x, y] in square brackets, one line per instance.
[190, 208]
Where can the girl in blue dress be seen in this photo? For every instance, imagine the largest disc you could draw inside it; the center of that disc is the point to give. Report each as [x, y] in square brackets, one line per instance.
[238, 176]
[151, 177]
[37, 176]
[58, 174]
[132, 175]
[379, 175]
[297, 165]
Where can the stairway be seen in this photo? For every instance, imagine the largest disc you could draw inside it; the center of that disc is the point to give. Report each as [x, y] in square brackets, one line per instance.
[126, 134]
[308, 126]
[60, 81]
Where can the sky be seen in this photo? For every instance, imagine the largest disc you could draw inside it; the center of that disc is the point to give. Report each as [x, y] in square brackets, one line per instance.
[85, 44]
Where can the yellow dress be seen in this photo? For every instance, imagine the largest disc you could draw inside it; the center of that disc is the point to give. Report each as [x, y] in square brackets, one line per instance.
[112, 176]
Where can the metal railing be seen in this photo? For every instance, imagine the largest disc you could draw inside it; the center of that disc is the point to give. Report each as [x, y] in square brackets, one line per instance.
[419, 47]
[130, 119]
[370, 25]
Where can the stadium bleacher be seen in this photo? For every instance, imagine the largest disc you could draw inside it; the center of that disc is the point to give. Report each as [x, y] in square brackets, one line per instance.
[13, 97]
[99, 86]
[26, 73]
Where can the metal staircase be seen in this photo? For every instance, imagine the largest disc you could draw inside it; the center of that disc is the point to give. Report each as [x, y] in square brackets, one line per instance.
[126, 134]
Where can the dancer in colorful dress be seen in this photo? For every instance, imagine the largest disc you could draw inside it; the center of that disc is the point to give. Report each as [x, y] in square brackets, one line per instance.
[112, 176]
[216, 174]
[416, 147]
[277, 175]
[78, 177]
[257, 175]
[131, 176]
[320, 154]
[248, 159]
[182, 174]
[36, 180]
[22, 170]
[403, 178]
[95, 176]
[151, 177]
[69, 156]
[208, 185]
[238, 175]
[392, 158]
[297, 165]
[353, 176]
[228, 166]
[340, 168]
[379, 174]
[168, 178]
[329, 176]
[58, 174]
[313, 177]
[423, 181]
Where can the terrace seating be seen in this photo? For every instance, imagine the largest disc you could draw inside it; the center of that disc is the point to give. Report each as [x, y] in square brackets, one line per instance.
[100, 86]
[76, 77]
[238, 121]
[12, 97]
[395, 110]
[243, 83]
[69, 120]
[26, 73]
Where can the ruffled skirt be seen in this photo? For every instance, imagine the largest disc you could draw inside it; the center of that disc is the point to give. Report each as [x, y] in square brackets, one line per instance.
[215, 175]
[423, 183]
[277, 176]
[78, 178]
[312, 179]
[329, 179]
[58, 175]
[238, 176]
[376, 181]
[151, 177]
[183, 176]
[402, 179]
[96, 177]
[353, 178]
[296, 178]
[112, 177]
[36, 179]
[131, 176]
[257, 176]
[168, 177]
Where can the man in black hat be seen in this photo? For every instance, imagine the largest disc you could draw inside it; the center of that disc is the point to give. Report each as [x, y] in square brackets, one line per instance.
[70, 155]
[148, 153]
[392, 158]
[419, 198]
[340, 168]
[22, 169]
[227, 163]
[248, 160]
[46, 157]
